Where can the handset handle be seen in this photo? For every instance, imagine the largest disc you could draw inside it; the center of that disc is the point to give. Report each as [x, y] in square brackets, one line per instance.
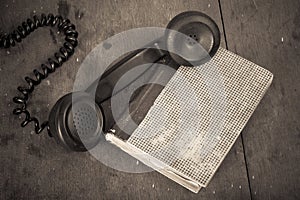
[104, 86]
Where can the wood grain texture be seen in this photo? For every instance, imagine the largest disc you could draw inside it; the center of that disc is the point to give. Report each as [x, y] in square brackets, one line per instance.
[268, 33]
[35, 167]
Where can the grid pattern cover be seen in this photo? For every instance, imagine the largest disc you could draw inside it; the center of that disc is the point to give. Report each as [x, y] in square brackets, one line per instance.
[198, 116]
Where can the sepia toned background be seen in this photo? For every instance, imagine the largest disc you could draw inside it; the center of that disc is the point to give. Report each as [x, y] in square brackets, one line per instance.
[264, 162]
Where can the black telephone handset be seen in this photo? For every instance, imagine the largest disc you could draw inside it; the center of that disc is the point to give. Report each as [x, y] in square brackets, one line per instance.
[97, 116]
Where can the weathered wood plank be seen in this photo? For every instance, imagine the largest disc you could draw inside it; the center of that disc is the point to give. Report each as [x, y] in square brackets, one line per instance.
[268, 33]
[34, 166]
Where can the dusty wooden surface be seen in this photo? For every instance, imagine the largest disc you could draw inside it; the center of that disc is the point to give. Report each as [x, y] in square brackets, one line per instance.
[34, 166]
[268, 33]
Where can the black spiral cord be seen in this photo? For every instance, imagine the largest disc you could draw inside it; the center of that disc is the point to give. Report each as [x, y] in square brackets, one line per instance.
[64, 53]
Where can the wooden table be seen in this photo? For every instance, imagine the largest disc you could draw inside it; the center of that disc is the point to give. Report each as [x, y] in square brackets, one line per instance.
[264, 162]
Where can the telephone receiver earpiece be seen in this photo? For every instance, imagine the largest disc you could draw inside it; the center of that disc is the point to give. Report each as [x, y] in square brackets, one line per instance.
[76, 121]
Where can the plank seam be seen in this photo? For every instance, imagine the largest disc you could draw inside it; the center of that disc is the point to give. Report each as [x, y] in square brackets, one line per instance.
[243, 145]
[223, 26]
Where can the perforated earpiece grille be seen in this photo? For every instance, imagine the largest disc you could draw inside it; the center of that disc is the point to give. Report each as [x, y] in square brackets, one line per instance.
[85, 119]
